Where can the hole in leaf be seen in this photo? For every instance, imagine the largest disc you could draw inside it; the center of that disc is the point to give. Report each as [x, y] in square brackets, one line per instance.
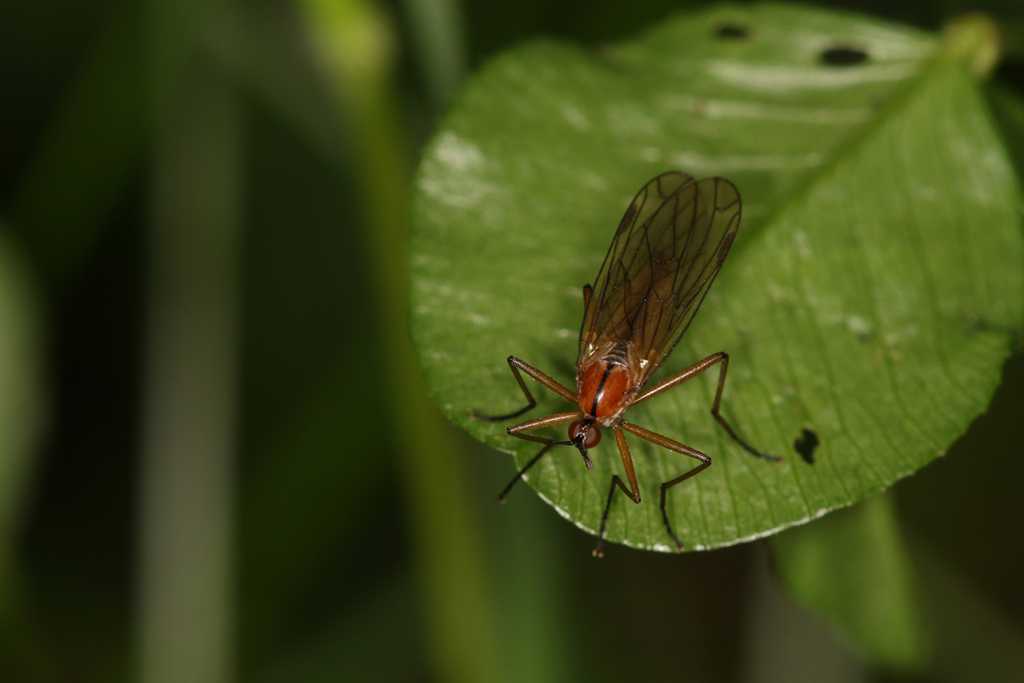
[805, 445]
[732, 32]
[844, 56]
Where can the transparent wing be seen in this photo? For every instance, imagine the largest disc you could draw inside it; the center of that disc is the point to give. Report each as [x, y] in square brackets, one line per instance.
[669, 247]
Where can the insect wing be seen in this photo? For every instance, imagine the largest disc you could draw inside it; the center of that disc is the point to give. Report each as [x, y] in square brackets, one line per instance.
[669, 247]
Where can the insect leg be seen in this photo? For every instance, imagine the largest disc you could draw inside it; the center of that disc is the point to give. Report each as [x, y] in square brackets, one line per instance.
[633, 492]
[694, 370]
[665, 442]
[725, 425]
[680, 377]
[517, 430]
[549, 382]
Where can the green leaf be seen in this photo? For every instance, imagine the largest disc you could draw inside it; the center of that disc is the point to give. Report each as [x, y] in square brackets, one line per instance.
[853, 569]
[870, 297]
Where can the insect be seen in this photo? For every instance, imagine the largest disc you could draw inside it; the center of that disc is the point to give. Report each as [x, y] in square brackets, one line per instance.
[665, 254]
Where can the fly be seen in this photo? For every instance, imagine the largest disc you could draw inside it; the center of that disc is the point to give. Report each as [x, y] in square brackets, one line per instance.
[665, 254]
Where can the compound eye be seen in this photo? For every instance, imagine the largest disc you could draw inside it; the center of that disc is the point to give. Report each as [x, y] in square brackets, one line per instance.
[590, 431]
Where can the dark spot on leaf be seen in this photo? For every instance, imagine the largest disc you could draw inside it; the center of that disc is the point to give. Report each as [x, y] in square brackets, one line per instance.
[732, 32]
[805, 445]
[844, 56]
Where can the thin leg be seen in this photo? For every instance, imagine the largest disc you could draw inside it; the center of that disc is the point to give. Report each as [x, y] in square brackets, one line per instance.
[549, 382]
[669, 484]
[725, 425]
[518, 430]
[694, 370]
[520, 473]
[541, 422]
[665, 442]
[633, 491]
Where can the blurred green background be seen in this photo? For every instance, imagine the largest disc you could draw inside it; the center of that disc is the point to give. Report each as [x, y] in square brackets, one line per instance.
[217, 462]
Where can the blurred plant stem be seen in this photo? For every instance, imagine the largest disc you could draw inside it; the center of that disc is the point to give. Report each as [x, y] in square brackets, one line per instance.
[355, 47]
[188, 431]
[440, 50]
[974, 38]
[21, 416]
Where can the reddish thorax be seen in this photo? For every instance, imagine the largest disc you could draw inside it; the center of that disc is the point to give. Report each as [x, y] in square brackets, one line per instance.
[606, 387]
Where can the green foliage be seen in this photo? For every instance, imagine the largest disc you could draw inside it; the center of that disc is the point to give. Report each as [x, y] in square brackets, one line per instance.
[368, 544]
[871, 296]
[852, 568]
